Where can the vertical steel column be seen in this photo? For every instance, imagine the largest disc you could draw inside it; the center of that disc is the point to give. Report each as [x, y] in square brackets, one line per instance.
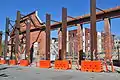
[27, 52]
[12, 49]
[64, 32]
[17, 28]
[6, 36]
[108, 39]
[59, 43]
[80, 42]
[118, 53]
[0, 43]
[93, 29]
[48, 36]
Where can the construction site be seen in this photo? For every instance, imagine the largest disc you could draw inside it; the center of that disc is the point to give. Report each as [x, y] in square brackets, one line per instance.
[82, 51]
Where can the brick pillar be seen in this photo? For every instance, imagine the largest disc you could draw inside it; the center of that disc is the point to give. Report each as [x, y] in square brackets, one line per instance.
[108, 39]
[80, 42]
[42, 50]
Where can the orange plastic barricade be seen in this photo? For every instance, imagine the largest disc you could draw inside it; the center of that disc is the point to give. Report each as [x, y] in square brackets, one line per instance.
[2, 62]
[24, 62]
[63, 64]
[91, 66]
[45, 64]
[12, 62]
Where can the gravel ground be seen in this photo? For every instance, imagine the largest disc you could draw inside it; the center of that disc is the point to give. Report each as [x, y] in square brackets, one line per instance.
[31, 73]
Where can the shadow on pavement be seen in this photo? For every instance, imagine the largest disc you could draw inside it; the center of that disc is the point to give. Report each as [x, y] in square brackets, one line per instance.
[3, 68]
[3, 75]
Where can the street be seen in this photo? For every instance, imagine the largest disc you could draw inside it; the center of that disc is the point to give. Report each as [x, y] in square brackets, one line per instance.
[32, 73]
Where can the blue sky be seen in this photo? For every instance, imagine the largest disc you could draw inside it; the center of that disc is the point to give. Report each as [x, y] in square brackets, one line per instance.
[75, 8]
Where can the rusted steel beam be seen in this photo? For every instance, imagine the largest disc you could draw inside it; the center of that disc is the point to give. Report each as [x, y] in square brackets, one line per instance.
[100, 9]
[0, 43]
[48, 18]
[12, 48]
[110, 13]
[59, 43]
[71, 17]
[93, 35]
[17, 29]
[64, 32]
[80, 42]
[6, 36]
[108, 39]
[27, 52]
[55, 21]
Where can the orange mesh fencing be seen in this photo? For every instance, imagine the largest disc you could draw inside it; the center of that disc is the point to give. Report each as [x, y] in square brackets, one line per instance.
[12, 62]
[91, 66]
[63, 64]
[24, 62]
[2, 62]
[45, 64]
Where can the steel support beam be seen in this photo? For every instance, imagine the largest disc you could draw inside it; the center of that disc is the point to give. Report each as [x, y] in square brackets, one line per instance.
[12, 48]
[64, 32]
[59, 43]
[93, 37]
[17, 28]
[118, 53]
[48, 19]
[80, 42]
[6, 36]
[0, 43]
[27, 52]
[108, 39]
[110, 13]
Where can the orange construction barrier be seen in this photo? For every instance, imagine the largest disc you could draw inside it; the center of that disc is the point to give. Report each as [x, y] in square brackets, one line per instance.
[24, 62]
[63, 64]
[91, 66]
[111, 63]
[2, 62]
[45, 64]
[12, 62]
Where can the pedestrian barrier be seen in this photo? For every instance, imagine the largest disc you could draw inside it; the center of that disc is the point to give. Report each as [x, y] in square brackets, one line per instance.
[63, 64]
[12, 62]
[45, 64]
[91, 66]
[2, 61]
[24, 62]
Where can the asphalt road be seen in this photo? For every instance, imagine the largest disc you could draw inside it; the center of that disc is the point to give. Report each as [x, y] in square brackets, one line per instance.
[31, 73]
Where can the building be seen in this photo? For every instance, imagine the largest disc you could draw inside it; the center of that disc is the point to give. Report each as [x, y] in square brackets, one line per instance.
[54, 49]
[86, 42]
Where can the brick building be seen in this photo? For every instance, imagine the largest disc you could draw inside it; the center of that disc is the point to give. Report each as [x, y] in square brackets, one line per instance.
[86, 41]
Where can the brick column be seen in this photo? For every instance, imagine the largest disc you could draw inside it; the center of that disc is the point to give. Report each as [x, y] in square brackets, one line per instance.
[108, 39]
[80, 41]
